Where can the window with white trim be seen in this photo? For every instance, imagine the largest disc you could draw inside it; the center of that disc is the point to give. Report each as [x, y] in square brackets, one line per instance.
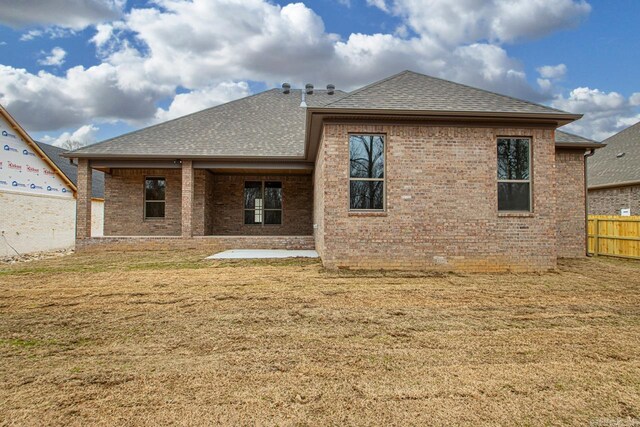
[366, 172]
[514, 174]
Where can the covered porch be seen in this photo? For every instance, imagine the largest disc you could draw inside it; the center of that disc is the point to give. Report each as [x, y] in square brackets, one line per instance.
[265, 205]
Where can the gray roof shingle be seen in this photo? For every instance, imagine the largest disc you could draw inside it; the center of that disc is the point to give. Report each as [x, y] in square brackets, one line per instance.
[71, 170]
[606, 168]
[409, 90]
[272, 124]
[563, 137]
[268, 124]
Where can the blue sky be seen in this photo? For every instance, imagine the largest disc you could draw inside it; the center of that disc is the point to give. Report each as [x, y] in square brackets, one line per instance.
[98, 68]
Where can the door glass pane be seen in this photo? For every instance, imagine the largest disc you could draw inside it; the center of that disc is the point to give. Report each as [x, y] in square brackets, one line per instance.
[513, 158]
[514, 196]
[366, 155]
[272, 195]
[366, 194]
[154, 188]
[252, 191]
[273, 217]
[154, 210]
[252, 217]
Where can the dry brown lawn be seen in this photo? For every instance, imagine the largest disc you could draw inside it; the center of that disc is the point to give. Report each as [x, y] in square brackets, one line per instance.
[152, 338]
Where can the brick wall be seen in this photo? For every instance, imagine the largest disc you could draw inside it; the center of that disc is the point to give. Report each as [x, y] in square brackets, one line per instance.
[227, 215]
[609, 201]
[318, 199]
[441, 203]
[124, 203]
[570, 209]
[83, 199]
[217, 204]
[210, 244]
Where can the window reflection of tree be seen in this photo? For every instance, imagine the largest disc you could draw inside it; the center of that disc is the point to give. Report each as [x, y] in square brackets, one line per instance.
[366, 153]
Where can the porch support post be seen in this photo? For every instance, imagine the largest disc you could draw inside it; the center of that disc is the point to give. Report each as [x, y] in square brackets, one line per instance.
[83, 200]
[187, 198]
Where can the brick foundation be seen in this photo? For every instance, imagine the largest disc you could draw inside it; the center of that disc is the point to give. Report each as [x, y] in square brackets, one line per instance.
[204, 243]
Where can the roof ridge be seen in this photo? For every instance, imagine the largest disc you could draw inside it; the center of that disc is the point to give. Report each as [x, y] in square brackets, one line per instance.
[171, 120]
[493, 93]
[353, 92]
[449, 82]
[623, 131]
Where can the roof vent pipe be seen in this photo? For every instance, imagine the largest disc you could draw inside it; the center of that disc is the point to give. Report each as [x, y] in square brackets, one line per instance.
[309, 88]
[286, 88]
[303, 104]
[330, 89]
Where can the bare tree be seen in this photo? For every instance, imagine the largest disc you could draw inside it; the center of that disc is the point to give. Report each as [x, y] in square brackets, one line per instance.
[71, 144]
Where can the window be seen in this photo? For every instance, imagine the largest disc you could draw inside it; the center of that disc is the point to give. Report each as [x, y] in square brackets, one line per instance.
[154, 197]
[366, 175]
[514, 174]
[263, 202]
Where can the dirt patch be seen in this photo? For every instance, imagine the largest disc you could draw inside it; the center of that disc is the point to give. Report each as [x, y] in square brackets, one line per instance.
[150, 338]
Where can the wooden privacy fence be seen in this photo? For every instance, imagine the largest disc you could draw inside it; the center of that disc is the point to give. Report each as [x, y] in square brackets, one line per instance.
[617, 236]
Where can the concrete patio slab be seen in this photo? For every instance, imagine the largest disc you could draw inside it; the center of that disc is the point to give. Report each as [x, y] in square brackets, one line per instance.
[263, 254]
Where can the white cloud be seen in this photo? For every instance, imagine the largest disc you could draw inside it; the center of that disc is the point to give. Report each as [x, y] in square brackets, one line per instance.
[74, 14]
[46, 102]
[55, 58]
[465, 21]
[84, 135]
[186, 103]
[380, 4]
[604, 113]
[50, 32]
[154, 49]
[552, 71]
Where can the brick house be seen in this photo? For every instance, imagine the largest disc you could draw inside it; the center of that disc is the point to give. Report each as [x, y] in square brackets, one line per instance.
[614, 175]
[408, 172]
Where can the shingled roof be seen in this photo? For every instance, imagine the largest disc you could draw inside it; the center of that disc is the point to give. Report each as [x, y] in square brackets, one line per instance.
[272, 125]
[619, 162]
[409, 90]
[268, 124]
[566, 139]
[71, 170]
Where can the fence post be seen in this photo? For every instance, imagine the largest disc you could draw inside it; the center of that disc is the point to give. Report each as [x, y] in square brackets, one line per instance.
[596, 234]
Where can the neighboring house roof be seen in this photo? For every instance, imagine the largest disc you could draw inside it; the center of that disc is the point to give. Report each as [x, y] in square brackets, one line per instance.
[409, 90]
[70, 170]
[268, 124]
[569, 140]
[619, 162]
[272, 125]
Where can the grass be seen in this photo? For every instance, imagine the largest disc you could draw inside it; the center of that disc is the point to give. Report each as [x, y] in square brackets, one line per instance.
[149, 338]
